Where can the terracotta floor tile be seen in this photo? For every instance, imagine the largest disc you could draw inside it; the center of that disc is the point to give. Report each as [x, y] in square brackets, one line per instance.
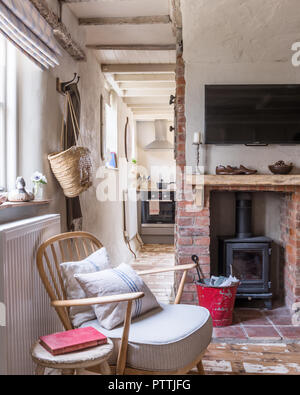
[248, 313]
[233, 331]
[262, 332]
[290, 332]
[249, 321]
[281, 320]
[279, 311]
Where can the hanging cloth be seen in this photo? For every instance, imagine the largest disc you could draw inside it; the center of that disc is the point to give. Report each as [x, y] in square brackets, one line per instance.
[74, 213]
[23, 25]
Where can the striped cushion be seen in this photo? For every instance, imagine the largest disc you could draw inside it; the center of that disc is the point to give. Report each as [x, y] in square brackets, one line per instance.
[98, 260]
[165, 339]
[120, 280]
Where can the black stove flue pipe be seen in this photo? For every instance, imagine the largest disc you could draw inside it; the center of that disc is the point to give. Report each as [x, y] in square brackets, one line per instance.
[243, 217]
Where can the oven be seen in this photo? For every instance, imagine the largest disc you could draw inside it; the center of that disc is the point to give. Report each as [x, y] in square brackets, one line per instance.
[166, 212]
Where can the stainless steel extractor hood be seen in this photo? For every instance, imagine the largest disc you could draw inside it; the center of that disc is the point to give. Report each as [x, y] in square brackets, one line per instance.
[161, 142]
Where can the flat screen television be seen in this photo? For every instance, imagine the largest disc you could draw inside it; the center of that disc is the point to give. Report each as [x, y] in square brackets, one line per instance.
[252, 114]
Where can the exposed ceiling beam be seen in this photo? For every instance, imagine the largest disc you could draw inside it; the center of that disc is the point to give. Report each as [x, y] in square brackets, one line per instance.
[87, 1]
[137, 20]
[152, 117]
[139, 68]
[148, 92]
[132, 47]
[153, 111]
[144, 77]
[149, 105]
[60, 31]
[147, 85]
[163, 100]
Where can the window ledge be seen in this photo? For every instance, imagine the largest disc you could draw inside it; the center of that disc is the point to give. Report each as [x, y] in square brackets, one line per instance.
[23, 204]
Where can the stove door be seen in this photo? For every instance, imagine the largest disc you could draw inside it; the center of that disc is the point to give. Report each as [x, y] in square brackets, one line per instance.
[249, 262]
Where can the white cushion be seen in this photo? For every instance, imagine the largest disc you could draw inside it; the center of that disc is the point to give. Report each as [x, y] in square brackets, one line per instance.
[120, 280]
[166, 339]
[97, 261]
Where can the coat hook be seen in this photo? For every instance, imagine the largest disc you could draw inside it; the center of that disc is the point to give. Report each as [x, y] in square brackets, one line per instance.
[61, 86]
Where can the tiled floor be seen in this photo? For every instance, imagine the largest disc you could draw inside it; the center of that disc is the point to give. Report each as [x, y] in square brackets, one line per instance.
[250, 325]
[152, 256]
[252, 359]
[254, 325]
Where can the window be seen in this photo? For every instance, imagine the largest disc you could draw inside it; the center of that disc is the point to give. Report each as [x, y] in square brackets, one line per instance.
[2, 112]
[111, 129]
[8, 116]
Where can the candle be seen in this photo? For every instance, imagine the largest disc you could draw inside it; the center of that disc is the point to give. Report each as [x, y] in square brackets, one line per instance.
[197, 138]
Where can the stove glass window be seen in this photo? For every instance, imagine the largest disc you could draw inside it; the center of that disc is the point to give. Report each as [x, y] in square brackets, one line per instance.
[248, 264]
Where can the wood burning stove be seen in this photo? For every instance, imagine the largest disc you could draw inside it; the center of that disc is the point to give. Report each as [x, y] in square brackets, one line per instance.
[247, 257]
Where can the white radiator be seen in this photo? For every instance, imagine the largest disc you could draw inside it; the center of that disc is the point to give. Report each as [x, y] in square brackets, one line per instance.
[28, 311]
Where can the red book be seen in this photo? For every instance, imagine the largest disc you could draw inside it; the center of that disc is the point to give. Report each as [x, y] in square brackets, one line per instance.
[73, 340]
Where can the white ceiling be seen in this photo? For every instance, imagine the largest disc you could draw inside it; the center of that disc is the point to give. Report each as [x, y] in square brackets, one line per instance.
[155, 96]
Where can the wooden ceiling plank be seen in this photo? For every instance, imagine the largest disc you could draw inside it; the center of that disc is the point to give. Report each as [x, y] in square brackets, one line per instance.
[137, 20]
[139, 68]
[60, 31]
[144, 77]
[132, 47]
[147, 85]
[148, 92]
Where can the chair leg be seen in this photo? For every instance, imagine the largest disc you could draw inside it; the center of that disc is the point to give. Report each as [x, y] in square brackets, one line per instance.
[200, 368]
[68, 372]
[40, 370]
[105, 368]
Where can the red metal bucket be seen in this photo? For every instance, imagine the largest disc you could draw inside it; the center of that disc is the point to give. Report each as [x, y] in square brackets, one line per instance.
[219, 301]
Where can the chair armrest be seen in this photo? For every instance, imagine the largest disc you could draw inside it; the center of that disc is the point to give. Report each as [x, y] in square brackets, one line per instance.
[99, 300]
[168, 269]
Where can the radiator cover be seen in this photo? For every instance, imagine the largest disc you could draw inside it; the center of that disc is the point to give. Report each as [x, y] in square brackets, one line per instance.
[28, 311]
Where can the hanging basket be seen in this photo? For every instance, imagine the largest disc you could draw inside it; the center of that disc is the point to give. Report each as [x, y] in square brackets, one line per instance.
[72, 167]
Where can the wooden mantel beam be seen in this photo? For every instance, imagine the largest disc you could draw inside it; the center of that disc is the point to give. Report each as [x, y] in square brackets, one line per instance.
[137, 20]
[60, 31]
[132, 47]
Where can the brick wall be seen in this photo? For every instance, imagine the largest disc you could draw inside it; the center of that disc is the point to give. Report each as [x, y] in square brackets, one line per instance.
[192, 226]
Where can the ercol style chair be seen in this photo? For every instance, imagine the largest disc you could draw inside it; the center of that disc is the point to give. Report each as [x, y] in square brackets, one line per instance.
[170, 340]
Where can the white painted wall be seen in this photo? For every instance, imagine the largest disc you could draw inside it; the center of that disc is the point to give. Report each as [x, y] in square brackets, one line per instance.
[237, 42]
[40, 110]
[158, 164]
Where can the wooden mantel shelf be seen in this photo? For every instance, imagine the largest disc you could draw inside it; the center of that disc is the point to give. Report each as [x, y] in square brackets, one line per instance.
[244, 180]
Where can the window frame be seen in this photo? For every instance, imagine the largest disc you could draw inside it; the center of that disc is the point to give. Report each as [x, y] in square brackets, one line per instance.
[111, 111]
[8, 127]
[3, 70]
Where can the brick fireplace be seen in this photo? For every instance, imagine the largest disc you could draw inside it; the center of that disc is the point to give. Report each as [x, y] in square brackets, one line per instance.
[192, 234]
[193, 227]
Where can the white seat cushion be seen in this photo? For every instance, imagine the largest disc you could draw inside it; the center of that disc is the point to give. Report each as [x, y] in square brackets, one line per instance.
[166, 339]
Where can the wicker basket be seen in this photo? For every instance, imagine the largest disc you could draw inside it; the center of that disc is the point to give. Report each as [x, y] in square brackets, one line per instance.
[72, 167]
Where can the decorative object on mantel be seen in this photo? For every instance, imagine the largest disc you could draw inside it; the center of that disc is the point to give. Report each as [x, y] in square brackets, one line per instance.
[197, 141]
[281, 168]
[233, 171]
[38, 180]
[72, 167]
[3, 198]
[20, 194]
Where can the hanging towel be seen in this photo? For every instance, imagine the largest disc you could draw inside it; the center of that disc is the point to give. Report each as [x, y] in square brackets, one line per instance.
[154, 208]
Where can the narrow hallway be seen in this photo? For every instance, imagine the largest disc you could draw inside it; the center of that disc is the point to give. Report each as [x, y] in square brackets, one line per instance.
[153, 256]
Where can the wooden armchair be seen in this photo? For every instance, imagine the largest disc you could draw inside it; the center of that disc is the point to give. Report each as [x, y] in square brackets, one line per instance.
[76, 246]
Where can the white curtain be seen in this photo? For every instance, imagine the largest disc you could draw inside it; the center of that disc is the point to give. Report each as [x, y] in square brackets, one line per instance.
[22, 24]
